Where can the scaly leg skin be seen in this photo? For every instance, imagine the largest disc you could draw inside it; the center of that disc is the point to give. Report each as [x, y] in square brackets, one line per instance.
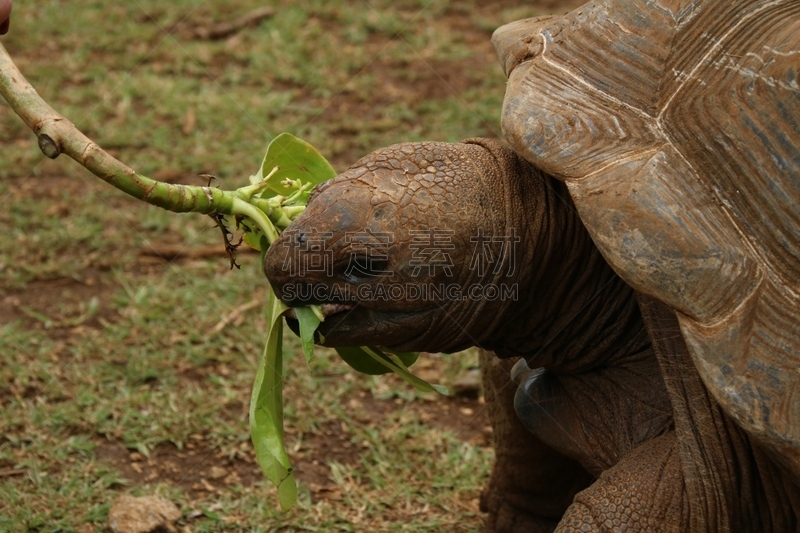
[531, 484]
[643, 492]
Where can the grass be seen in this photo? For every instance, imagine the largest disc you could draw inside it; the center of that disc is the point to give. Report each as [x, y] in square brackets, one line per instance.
[116, 373]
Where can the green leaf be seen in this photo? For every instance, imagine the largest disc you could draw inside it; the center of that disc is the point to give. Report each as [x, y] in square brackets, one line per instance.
[297, 160]
[377, 362]
[396, 365]
[253, 239]
[362, 362]
[408, 358]
[266, 409]
[309, 321]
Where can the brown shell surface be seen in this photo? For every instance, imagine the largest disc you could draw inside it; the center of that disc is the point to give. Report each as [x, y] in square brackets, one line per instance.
[676, 125]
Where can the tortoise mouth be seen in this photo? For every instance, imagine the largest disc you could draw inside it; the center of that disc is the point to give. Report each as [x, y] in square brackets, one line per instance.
[348, 325]
[328, 310]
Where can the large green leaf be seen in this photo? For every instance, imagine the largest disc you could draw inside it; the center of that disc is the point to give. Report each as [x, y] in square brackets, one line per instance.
[266, 409]
[297, 160]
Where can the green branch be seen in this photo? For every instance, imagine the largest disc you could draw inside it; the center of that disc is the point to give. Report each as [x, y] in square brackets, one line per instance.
[57, 136]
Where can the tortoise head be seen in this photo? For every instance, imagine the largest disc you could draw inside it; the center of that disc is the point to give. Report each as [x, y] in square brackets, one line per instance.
[411, 248]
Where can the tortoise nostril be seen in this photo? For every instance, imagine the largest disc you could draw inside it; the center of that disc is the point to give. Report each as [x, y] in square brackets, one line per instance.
[300, 237]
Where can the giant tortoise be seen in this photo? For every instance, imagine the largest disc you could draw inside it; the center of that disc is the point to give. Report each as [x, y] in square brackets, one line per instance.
[636, 250]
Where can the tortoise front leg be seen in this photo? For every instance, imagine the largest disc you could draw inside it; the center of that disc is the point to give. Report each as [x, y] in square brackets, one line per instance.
[531, 485]
[644, 491]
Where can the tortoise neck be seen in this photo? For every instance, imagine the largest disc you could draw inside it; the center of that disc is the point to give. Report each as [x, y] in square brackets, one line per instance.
[572, 311]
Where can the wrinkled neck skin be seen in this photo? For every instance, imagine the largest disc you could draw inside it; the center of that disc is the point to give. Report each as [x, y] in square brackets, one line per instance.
[573, 312]
[498, 223]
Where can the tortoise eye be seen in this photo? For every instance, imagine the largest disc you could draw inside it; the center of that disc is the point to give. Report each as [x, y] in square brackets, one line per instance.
[364, 267]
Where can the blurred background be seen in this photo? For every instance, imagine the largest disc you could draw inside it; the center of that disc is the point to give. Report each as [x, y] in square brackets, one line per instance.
[128, 347]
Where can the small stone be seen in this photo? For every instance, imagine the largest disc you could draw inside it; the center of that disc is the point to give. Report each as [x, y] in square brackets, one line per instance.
[217, 472]
[233, 479]
[147, 514]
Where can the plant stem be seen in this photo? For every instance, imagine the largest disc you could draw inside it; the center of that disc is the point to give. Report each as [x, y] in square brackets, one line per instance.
[241, 207]
[58, 135]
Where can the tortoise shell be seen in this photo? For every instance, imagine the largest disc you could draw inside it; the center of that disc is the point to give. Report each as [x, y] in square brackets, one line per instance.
[676, 126]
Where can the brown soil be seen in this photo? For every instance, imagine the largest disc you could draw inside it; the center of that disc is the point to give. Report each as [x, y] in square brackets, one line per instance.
[200, 469]
[70, 293]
